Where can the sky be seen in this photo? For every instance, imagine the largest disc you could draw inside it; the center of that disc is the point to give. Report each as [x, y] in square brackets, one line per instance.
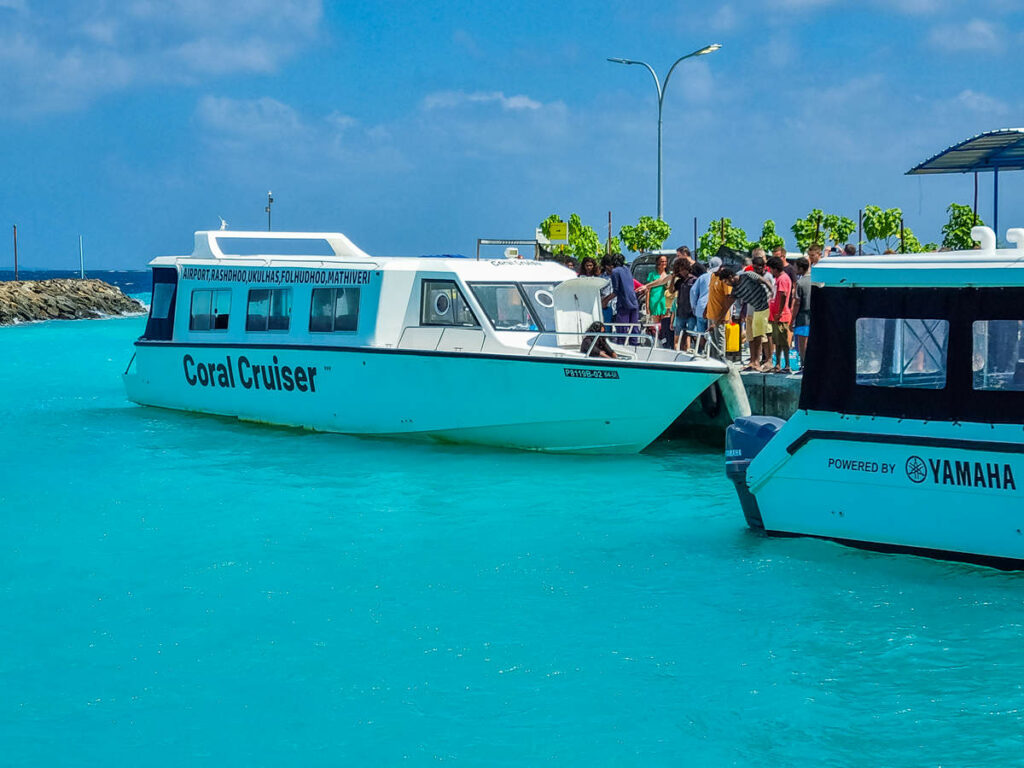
[417, 127]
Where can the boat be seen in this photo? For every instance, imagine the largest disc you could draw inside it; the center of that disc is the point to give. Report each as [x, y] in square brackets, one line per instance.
[910, 431]
[447, 349]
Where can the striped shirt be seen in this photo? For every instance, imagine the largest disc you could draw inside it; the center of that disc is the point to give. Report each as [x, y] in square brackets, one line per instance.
[753, 291]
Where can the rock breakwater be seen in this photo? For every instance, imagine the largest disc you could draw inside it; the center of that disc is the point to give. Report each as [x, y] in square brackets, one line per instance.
[59, 299]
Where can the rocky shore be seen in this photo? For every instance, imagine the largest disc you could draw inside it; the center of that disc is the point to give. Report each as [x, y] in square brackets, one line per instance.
[22, 301]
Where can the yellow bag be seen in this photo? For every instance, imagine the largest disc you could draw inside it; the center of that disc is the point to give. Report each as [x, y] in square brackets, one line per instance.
[732, 337]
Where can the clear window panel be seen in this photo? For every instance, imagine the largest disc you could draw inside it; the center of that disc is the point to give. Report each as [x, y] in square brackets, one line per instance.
[163, 295]
[542, 301]
[258, 309]
[321, 317]
[200, 319]
[504, 306]
[897, 352]
[280, 309]
[346, 309]
[443, 305]
[221, 310]
[998, 360]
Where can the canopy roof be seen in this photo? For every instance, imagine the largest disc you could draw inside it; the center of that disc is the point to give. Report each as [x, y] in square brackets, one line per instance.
[993, 150]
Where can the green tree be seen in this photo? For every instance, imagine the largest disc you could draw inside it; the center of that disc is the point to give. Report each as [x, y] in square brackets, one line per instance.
[648, 234]
[822, 228]
[583, 239]
[770, 239]
[882, 228]
[721, 232]
[613, 245]
[838, 228]
[808, 231]
[956, 233]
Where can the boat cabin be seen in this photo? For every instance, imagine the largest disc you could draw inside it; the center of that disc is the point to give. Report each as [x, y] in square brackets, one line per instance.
[936, 337]
[348, 298]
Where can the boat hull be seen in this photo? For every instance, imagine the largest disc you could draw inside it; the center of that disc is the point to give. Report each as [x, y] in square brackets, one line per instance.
[941, 490]
[531, 403]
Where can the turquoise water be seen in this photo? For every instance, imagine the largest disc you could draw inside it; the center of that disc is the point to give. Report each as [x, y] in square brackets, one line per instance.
[180, 589]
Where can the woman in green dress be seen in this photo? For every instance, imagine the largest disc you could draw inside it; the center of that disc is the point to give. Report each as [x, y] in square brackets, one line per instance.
[656, 281]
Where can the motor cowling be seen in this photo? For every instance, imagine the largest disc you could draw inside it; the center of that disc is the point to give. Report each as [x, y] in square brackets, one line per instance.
[744, 439]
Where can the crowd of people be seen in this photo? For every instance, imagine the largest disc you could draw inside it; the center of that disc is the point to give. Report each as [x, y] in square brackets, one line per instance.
[688, 306]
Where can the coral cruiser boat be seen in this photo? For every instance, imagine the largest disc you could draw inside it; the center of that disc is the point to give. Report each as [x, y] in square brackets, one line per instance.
[910, 430]
[448, 349]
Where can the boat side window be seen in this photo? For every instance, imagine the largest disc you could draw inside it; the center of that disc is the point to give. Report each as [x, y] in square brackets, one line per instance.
[211, 310]
[269, 309]
[542, 300]
[334, 309]
[163, 296]
[504, 306]
[442, 303]
[999, 355]
[896, 352]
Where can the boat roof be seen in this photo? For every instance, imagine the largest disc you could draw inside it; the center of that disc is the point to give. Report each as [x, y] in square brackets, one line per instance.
[344, 254]
[987, 266]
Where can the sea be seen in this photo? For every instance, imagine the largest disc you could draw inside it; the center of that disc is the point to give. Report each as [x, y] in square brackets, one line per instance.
[186, 590]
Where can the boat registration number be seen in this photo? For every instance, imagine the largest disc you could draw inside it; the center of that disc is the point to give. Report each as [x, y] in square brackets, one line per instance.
[590, 373]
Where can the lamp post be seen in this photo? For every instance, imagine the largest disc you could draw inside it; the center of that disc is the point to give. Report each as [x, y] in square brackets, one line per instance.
[270, 202]
[661, 95]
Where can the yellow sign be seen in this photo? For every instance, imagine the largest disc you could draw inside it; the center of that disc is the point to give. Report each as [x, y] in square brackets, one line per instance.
[559, 230]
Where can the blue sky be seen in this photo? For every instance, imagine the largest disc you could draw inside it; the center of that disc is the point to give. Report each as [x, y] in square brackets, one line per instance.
[418, 127]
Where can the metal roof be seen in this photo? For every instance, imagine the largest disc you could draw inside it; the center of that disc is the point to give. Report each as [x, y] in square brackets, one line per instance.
[1002, 149]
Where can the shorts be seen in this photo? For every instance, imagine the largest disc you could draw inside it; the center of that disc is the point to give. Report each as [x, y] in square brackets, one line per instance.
[802, 330]
[697, 324]
[757, 325]
[780, 333]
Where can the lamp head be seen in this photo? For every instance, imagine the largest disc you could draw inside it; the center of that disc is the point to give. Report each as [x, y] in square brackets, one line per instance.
[708, 49]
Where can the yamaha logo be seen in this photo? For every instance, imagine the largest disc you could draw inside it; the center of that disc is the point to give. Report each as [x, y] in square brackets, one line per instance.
[917, 470]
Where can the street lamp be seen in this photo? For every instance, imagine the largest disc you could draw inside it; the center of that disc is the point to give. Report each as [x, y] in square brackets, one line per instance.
[661, 95]
[270, 202]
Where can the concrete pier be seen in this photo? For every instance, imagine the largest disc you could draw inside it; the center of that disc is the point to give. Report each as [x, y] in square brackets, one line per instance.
[770, 394]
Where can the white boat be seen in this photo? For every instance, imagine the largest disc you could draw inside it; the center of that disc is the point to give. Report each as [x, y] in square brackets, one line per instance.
[910, 430]
[446, 349]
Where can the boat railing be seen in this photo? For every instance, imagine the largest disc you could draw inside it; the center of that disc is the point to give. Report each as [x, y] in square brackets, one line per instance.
[635, 346]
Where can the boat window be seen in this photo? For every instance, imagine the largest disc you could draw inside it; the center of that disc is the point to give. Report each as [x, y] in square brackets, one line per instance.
[210, 310]
[269, 309]
[999, 355]
[504, 306]
[542, 300]
[163, 296]
[444, 304]
[893, 352]
[334, 309]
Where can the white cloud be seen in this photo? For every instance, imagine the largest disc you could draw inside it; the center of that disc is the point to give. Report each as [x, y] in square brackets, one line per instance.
[451, 99]
[980, 102]
[724, 19]
[975, 35]
[66, 56]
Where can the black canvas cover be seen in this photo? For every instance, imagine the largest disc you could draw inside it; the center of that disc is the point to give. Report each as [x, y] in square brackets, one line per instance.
[830, 372]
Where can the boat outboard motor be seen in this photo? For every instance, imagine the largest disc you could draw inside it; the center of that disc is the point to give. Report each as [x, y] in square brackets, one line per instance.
[744, 439]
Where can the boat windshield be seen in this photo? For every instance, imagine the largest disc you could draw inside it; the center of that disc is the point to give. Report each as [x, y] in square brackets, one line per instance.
[517, 306]
[506, 306]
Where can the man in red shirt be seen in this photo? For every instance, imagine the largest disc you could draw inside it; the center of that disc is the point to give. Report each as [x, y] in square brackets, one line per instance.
[780, 313]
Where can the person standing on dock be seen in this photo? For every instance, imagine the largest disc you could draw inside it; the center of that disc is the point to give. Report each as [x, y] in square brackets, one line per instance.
[755, 291]
[780, 313]
[719, 288]
[627, 306]
[802, 308]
